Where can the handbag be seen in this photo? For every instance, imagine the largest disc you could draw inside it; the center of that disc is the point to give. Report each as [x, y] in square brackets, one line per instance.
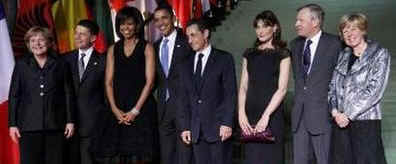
[264, 136]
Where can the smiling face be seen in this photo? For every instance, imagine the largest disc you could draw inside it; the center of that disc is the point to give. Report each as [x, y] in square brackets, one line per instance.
[264, 32]
[38, 44]
[164, 22]
[128, 28]
[353, 35]
[197, 39]
[306, 25]
[83, 38]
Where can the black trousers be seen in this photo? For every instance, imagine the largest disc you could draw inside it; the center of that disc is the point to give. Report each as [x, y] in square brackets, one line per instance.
[359, 143]
[172, 148]
[212, 152]
[42, 147]
[77, 150]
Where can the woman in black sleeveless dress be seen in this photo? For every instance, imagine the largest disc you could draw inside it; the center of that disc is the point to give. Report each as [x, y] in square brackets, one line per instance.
[130, 134]
[264, 79]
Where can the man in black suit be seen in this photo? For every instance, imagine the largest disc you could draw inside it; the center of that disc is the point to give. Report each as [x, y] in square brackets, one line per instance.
[314, 57]
[172, 49]
[87, 66]
[207, 98]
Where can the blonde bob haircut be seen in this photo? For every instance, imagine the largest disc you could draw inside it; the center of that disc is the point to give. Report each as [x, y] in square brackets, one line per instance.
[357, 19]
[35, 30]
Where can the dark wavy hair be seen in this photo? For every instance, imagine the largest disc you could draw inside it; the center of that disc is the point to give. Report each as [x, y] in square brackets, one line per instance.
[130, 13]
[269, 19]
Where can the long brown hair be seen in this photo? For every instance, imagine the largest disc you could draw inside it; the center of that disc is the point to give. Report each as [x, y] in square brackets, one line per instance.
[270, 19]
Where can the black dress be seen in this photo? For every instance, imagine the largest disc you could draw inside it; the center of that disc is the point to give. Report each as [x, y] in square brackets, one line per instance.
[263, 71]
[139, 140]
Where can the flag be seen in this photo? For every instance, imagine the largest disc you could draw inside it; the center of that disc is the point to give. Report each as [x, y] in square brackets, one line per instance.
[101, 15]
[31, 13]
[10, 154]
[183, 10]
[67, 14]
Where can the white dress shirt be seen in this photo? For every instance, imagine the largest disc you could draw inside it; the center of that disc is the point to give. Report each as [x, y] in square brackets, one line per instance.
[88, 53]
[206, 52]
[171, 45]
[313, 47]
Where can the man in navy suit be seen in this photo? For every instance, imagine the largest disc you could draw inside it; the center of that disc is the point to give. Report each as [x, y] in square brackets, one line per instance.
[171, 50]
[87, 66]
[207, 98]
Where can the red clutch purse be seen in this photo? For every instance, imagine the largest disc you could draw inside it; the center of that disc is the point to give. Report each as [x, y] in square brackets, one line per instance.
[264, 136]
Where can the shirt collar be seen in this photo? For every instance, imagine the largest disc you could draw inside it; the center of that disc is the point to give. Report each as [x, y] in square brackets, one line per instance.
[87, 52]
[206, 51]
[171, 37]
[315, 38]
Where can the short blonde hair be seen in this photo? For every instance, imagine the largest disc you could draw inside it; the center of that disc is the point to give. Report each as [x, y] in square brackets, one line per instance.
[33, 31]
[358, 19]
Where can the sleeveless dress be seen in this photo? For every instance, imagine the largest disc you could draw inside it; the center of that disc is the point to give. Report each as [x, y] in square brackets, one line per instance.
[263, 72]
[140, 139]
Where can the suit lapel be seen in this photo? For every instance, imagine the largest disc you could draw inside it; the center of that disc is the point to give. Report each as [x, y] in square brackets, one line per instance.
[208, 67]
[74, 69]
[92, 63]
[159, 65]
[319, 54]
[176, 51]
[299, 52]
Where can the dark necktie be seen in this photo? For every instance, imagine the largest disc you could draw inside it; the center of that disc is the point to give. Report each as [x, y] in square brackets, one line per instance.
[165, 62]
[307, 57]
[198, 71]
[81, 65]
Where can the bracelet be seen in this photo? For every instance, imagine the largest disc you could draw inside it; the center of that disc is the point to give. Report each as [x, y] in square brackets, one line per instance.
[135, 111]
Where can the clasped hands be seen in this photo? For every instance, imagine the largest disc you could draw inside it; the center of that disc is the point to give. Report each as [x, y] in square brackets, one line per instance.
[224, 133]
[260, 126]
[340, 118]
[126, 118]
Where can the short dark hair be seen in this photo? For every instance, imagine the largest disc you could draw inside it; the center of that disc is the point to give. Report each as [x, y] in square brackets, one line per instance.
[202, 25]
[90, 25]
[130, 13]
[316, 12]
[165, 7]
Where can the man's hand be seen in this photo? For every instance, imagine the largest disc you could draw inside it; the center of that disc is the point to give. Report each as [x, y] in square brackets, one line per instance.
[69, 130]
[186, 137]
[225, 132]
[14, 134]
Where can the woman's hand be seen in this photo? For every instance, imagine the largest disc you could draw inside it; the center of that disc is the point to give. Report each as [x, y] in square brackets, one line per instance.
[244, 124]
[262, 124]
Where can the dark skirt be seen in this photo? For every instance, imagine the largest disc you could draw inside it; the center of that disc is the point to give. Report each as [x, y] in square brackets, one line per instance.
[359, 143]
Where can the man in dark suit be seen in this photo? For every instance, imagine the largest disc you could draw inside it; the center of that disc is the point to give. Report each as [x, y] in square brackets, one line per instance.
[172, 49]
[87, 66]
[314, 56]
[207, 98]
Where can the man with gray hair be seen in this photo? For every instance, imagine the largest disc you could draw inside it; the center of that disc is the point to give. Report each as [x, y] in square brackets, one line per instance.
[314, 57]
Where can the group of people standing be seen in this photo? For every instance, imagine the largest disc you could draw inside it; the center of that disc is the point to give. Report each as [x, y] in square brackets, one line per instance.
[104, 104]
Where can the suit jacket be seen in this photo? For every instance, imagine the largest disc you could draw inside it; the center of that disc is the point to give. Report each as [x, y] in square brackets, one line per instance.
[181, 52]
[203, 110]
[358, 92]
[41, 99]
[310, 99]
[89, 92]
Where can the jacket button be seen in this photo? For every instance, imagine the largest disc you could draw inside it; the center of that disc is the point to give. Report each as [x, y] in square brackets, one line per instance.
[41, 93]
[305, 88]
[41, 86]
[199, 101]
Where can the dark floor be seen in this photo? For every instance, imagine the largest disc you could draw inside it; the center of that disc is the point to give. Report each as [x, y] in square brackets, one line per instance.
[237, 33]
